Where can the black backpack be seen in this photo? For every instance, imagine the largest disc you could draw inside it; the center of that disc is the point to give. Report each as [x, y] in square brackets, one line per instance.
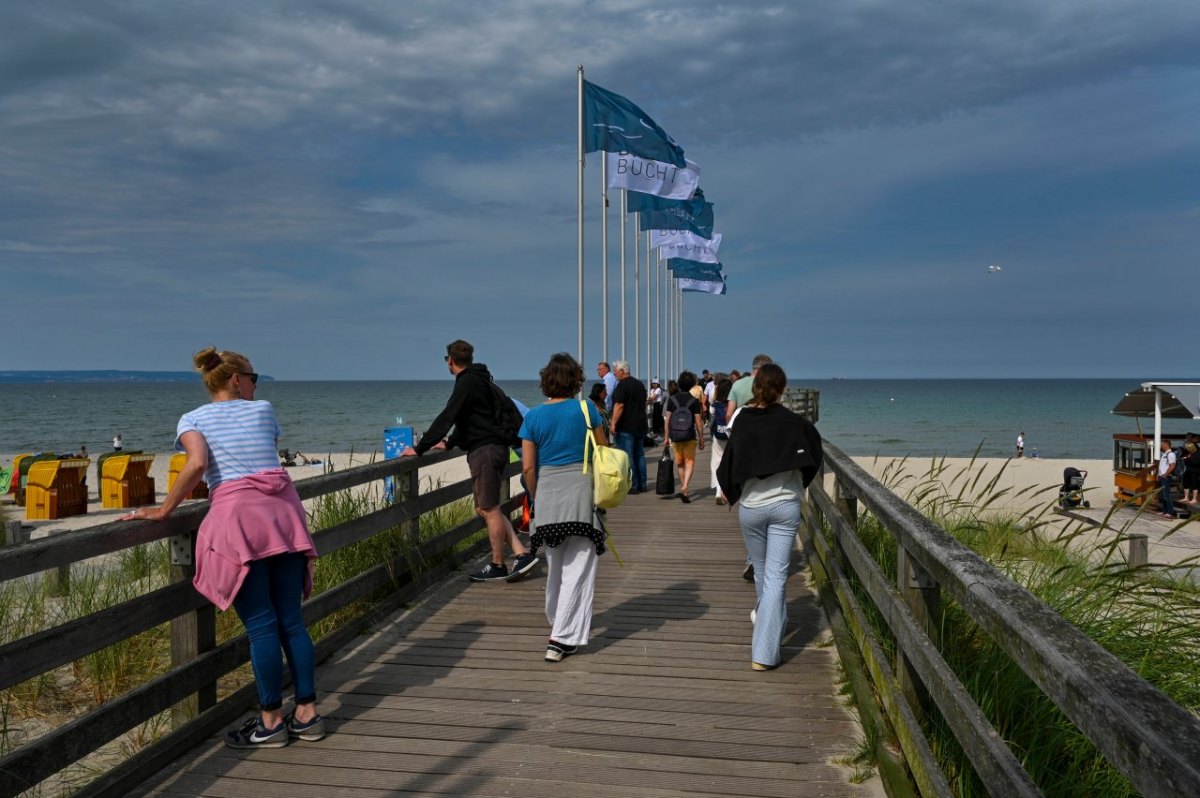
[1180, 463]
[506, 416]
[720, 427]
[681, 426]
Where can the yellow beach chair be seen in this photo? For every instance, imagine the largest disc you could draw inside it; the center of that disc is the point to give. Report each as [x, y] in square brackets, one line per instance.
[177, 461]
[56, 488]
[125, 479]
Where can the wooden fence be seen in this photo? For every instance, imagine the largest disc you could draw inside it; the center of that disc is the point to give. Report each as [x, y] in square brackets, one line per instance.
[189, 687]
[1153, 741]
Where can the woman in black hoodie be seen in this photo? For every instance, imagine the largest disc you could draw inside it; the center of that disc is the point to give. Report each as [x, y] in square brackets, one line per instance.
[770, 458]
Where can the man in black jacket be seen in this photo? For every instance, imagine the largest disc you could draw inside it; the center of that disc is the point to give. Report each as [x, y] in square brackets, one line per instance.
[472, 411]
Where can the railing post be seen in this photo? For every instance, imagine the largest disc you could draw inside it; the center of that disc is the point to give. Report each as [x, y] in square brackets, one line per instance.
[922, 594]
[410, 488]
[13, 533]
[847, 503]
[192, 634]
[57, 581]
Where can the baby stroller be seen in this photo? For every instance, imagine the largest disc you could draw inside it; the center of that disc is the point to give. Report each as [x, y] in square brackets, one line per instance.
[1071, 492]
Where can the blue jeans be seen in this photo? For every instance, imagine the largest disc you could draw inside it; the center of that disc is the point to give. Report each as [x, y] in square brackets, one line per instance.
[1164, 495]
[770, 535]
[633, 446]
[269, 605]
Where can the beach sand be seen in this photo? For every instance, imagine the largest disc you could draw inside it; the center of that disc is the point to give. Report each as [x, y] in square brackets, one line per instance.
[431, 477]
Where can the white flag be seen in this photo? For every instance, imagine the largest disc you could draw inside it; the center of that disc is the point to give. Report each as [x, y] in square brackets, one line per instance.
[703, 286]
[652, 177]
[674, 238]
[687, 245]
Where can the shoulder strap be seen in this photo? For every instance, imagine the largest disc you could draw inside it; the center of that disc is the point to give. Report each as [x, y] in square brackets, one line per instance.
[587, 435]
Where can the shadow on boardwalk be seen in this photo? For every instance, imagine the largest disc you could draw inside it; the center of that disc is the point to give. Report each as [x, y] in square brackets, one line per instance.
[453, 697]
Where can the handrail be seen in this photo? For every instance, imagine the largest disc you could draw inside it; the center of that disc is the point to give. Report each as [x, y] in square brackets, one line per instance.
[1152, 740]
[197, 661]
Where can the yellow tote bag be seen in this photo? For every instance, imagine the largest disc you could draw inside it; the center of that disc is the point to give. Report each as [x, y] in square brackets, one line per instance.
[611, 477]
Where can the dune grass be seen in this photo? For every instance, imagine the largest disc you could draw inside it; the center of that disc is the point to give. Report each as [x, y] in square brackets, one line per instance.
[1149, 618]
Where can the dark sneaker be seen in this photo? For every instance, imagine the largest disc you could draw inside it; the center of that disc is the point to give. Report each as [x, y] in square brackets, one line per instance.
[312, 731]
[522, 565]
[555, 652]
[252, 734]
[490, 573]
[683, 497]
[748, 572]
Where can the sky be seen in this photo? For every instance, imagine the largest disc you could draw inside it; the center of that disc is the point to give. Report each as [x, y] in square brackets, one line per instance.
[338, 189]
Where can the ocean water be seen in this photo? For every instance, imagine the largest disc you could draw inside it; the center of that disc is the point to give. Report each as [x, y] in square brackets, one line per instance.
[1060, 418]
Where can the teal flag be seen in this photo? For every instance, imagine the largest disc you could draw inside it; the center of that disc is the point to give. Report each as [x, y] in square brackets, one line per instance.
[694, 215]
[714, 286]
[694, 269]
[613, 124]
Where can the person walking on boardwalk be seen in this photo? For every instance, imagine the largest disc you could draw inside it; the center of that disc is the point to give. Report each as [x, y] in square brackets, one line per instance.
[253, 548]
[770, 458]
[740, 393]
[473, 412]
[610, 383]
[654, 400]
[720, 430]
[682, 416]
[629, 422]
[565, 521]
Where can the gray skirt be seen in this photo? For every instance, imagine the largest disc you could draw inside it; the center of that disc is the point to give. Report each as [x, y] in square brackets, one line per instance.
[564, 507]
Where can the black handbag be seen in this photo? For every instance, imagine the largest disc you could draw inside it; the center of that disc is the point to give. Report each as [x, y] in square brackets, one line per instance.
[664, 482]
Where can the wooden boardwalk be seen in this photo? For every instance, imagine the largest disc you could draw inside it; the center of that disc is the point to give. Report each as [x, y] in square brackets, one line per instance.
[453, 698]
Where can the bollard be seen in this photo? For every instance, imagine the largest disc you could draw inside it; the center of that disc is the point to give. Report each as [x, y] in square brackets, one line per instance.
[13, 533]
[57, 580]
[1139, 551]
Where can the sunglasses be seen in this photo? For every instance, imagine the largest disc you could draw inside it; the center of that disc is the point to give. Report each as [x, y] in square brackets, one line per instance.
[252, 375]
[446, 358]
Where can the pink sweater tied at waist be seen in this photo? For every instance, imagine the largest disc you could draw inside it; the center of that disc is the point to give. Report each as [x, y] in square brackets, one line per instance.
[249, 518]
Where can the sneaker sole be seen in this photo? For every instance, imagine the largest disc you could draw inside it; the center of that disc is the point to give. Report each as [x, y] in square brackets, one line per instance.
[516, 576]
[307, 737]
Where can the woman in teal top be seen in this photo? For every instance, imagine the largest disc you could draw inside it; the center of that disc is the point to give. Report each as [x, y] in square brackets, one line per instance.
[565, 520]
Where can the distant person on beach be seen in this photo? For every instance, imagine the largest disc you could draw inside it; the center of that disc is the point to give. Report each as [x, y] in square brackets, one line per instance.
[83, 452]
[253, 549]
[685, 437]
[566, 522]
[472, 412]
[610, 383]
[1020, 445]
[1167, 462]
[118, 444]
[1191, 476]
[629, 422]
[770, 458]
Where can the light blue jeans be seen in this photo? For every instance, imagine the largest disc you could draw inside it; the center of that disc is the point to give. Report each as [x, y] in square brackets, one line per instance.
[770, 535]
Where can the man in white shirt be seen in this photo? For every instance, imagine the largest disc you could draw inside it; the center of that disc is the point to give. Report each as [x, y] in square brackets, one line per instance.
[1166, 467]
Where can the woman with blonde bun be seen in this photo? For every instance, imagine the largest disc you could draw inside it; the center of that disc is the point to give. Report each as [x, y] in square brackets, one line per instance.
[253, 550]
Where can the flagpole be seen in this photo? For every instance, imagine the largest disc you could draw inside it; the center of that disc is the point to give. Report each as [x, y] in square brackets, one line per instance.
[624, 197]
[637, 301]
[658, 318]
[682, 337]
[579, 221]
[604, 251]
[649, 337]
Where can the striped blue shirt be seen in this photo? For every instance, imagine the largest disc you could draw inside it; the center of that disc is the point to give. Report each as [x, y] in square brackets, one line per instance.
[241, 437]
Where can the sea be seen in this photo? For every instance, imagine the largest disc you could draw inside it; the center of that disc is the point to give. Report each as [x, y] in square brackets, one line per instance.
[1061, 419]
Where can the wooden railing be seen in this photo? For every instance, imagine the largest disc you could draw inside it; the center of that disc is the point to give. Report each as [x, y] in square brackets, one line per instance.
[189, 687]
[1153, 741]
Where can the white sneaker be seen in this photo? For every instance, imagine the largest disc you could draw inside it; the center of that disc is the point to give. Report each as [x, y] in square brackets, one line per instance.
[753, 616]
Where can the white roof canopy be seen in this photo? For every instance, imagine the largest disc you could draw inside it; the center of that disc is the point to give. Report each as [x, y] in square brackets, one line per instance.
[1174, 400]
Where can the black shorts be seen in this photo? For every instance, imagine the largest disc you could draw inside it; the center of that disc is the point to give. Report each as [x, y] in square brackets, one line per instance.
[485, 464]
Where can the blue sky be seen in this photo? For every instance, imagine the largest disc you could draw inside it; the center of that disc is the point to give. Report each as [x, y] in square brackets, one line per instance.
[338, 189]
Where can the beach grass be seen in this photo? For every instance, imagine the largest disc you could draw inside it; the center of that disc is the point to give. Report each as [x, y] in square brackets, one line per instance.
[1148, 618]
